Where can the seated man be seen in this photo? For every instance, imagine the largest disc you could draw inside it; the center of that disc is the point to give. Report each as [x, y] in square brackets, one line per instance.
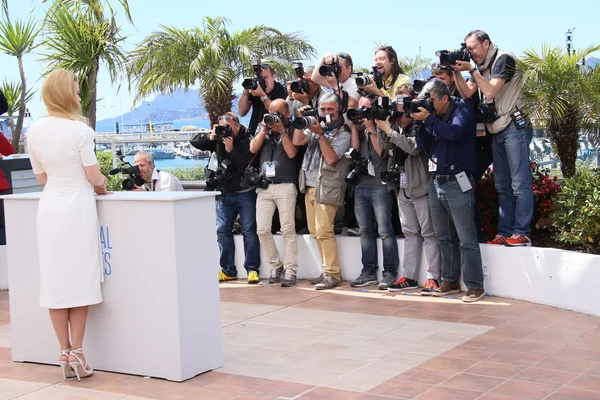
[156, 180]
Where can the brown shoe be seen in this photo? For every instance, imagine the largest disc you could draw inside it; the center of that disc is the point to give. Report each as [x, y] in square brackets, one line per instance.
[328, 282]
[447, 288]
[473, 295]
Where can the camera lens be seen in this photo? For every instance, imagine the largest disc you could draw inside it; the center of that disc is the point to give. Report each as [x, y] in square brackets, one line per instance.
[127, 184]
[249, 83]
[354, 114]
[303, 122]
[363, 80]
[352, 177]
[296, 87]
[270, 119]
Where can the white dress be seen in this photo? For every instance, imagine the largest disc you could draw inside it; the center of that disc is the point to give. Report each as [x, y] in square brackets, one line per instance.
[67, 219]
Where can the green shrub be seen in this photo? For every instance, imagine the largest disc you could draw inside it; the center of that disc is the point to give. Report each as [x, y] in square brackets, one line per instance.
[187, 174]
[105, 161]
[578, 214]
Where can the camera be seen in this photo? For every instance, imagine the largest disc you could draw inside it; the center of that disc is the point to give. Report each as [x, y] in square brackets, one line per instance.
[396, 163]
[252, 83]
[330, 69]
[252, 178]
[360, 166]
[374, 76]
[357, 114]
[410, 105]
[223, 131]
[301, 85]
[127, 169]
[486, 111]
[272, 119]
[450, 57]
[310, 117]
[216, 179]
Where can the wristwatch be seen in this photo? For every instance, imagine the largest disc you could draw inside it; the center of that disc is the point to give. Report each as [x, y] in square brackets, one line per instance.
[472, 71]
[263, 98]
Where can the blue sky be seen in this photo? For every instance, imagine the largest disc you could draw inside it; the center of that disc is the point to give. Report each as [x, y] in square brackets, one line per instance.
[354, 27]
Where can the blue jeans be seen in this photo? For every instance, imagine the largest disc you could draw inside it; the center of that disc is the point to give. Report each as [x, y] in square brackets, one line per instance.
[513, 181]
[454, 225]
[228, 207]
[373, 204]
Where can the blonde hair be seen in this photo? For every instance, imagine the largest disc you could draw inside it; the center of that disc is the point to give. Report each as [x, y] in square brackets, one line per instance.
[59, 96]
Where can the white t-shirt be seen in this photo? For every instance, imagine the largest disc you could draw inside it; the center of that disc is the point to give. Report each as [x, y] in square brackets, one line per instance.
[163, 181]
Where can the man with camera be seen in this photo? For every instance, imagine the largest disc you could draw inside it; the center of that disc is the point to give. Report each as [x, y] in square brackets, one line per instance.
[259, 94]
[413, 201]
[298, 96]
[495, 75]
[446, 132]
[335, 72]
[387, 74]
[277, 190]
[372, 201]
[322, 179]
[154, 180]
[230, 142]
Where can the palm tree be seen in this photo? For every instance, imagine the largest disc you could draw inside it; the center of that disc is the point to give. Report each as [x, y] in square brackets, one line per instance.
[563, 96]
[78, 40]
[12, 91]
[414, 66]
[17, 39]
[94, 8]
[210, 56]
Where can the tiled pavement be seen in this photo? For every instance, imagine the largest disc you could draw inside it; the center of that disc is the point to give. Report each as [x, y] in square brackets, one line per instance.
[297, 343]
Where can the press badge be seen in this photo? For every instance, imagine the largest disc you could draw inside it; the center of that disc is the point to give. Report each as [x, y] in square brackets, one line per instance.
[371, 169]
[213, 163]
[270, 170]
[403, 180]
[432, 164]
[463, 181]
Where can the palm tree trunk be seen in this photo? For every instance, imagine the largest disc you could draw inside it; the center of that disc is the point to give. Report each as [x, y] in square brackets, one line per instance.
[92, 79]
[16, 133]
[566, 136]
[216, 103]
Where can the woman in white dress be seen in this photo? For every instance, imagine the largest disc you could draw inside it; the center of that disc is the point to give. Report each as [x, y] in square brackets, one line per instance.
[61, 149]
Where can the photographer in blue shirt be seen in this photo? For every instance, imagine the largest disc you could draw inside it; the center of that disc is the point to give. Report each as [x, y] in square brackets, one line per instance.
[446, 131]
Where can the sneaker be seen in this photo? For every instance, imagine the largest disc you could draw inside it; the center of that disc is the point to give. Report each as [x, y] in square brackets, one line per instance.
[517, 240]
[388, 279]
[316, 280]
[275, 275]
[447, 288]
[473, 295]
[223, 277]
[328, 282]
[403, 284]
[253, 277]
[429, 286]
[499, 239]
[289, 279]
[364, 279]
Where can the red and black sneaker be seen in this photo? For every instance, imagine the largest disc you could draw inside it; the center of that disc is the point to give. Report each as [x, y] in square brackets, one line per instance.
[403, 284]
[429, 286]
[517, 240]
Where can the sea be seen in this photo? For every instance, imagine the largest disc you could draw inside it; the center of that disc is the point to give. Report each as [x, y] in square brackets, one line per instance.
[176, 162]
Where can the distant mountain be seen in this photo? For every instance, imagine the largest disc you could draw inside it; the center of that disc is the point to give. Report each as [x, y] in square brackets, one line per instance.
[181, 106]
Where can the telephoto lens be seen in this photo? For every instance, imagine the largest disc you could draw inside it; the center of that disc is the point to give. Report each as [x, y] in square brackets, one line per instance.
[270, 119]
[303, 122]
[363, 80]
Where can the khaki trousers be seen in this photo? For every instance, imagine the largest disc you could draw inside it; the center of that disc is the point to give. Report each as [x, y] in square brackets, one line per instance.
[320, 219]
[283, 197]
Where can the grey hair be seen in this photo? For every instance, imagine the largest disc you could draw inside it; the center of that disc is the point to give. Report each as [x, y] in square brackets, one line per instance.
[480, 35]
[331, 98]
[309, 69]
[148, 156]
[437, 86]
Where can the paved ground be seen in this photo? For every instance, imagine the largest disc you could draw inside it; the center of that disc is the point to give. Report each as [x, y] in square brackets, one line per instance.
[298, 343]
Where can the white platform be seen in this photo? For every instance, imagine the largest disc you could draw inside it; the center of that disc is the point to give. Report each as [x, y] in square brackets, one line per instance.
[160, 315]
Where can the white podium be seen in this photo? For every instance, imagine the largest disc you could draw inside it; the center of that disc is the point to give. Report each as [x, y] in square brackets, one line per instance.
[160, 314]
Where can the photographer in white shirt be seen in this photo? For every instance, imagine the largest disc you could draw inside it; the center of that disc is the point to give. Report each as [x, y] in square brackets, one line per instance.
[156, 181]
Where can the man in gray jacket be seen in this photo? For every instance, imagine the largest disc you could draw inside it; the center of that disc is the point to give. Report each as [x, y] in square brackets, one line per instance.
[413, 201]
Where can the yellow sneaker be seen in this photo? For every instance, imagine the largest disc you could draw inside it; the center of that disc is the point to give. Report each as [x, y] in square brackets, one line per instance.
[253, 277]
[223, 277]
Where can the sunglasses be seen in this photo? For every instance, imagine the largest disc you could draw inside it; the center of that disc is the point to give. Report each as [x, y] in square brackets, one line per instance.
[225, 118]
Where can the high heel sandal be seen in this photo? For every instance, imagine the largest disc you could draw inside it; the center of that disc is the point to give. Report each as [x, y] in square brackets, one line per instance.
[80, 369]
[67, 372]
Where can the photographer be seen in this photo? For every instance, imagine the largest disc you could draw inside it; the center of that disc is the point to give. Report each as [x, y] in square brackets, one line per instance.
[413, 203]
[278, 190]
[260, 98]
[372, 202]
[297, 100]
[156, 180]
[386, 63]
[230, 142]
[496, 77]
[447, 136]
[322, 179]
[339, 72]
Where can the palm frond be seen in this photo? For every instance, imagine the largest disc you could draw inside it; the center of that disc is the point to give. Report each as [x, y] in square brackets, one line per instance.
[12, 91]
[17, 38]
